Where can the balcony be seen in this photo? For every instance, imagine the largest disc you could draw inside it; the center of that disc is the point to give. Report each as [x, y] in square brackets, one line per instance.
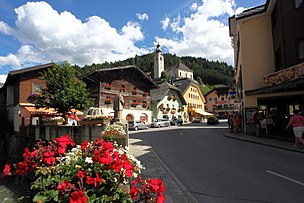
[283, 76]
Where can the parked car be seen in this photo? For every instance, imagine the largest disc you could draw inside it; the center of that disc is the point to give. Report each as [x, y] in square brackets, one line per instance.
[160, 123]
[213, 121]
[176, 121]
[137, 125]
[196, 120]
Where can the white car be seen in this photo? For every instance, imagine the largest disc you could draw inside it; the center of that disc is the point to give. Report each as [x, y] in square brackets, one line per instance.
[137, 125]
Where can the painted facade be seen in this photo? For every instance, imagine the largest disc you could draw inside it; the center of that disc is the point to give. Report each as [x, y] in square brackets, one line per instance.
[129, 81]
[268, 43]
[222, 101]
[168, 102]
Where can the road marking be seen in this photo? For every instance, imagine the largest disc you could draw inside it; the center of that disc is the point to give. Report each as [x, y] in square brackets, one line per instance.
[181, 133]
[285, 177]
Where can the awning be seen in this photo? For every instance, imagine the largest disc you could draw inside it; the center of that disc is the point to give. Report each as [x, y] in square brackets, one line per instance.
[204, 113]
[293, 86]
[42, 111]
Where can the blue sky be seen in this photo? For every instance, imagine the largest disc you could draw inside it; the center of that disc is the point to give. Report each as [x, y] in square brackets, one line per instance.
[94, 31]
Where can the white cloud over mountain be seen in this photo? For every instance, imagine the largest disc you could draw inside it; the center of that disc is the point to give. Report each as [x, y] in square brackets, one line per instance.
[46, 35]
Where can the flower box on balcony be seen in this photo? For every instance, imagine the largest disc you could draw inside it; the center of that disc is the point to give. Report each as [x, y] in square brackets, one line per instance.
[108, 102]
[168, 109]
[134, 104]
[108, 86]
[174, 98]
[169, 98]
[134, 92]
[144, 105]
[122, 89]
[179, 109]
[173, 110]
[145, 94]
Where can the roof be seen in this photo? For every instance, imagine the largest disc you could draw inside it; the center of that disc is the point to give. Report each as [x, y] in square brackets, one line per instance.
[131, 74]
[15, 73]
[184, 83]
[34, 68]
[295, 85]
[163, 89]
[218, 87]
[180, 66]
[251, 12]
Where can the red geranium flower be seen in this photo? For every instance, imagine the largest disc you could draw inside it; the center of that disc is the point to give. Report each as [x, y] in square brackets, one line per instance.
[78, 197]
[48, 157]
[81, 174]
[63, 186]
[96, 181]
[63, 141]
[7, 170]
[84, 145]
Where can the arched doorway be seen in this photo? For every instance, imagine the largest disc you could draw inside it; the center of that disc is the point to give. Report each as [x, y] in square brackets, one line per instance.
[144, 117]
[130, 117]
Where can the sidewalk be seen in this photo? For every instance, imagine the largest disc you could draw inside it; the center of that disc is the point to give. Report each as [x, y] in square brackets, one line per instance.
[267, 141]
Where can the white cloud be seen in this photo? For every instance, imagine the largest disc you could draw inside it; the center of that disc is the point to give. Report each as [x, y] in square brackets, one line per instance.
[142, 16]
[3, 78]
[165, 23]
[203, 34]
[47, 35]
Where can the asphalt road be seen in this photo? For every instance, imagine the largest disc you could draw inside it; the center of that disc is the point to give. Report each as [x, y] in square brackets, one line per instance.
[217, 169]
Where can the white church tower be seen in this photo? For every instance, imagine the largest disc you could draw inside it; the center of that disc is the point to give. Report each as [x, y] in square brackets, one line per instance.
[158, 62]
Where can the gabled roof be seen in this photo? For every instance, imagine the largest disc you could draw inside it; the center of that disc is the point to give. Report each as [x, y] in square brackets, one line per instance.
[180, 66]
[131, 74]
[218, 87]
[12, 75]
[162, 91]
[184, 83]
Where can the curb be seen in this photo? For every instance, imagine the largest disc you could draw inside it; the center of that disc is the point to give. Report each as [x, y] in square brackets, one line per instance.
[264, 143]
[177, 181]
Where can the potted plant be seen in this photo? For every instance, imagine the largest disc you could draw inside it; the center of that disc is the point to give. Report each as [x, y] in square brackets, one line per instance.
[169, 97]
[95, 120]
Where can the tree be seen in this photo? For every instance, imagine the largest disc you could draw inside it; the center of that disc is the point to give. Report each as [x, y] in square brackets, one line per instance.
[64, 91]
[164, 75]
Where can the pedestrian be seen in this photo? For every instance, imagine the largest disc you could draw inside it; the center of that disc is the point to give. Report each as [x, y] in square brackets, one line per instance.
[236, 123]
[257, 121]
[229, 121]
[297, 122]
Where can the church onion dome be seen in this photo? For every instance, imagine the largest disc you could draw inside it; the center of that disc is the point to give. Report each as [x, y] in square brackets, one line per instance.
[158, 50]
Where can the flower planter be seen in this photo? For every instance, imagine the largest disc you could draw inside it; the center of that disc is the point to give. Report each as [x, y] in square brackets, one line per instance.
[95, 122]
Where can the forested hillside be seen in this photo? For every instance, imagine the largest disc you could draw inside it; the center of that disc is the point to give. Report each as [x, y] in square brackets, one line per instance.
[210, 72]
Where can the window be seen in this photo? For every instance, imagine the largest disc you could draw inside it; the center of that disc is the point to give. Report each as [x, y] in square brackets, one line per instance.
[37, 88]
[278, 59]
[210, 99]
[215, 99]
[301, 49]
[299, 3]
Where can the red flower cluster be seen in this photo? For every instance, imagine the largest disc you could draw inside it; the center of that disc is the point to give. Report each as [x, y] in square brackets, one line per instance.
[104, 162]
[150, 190]
[44, 153]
